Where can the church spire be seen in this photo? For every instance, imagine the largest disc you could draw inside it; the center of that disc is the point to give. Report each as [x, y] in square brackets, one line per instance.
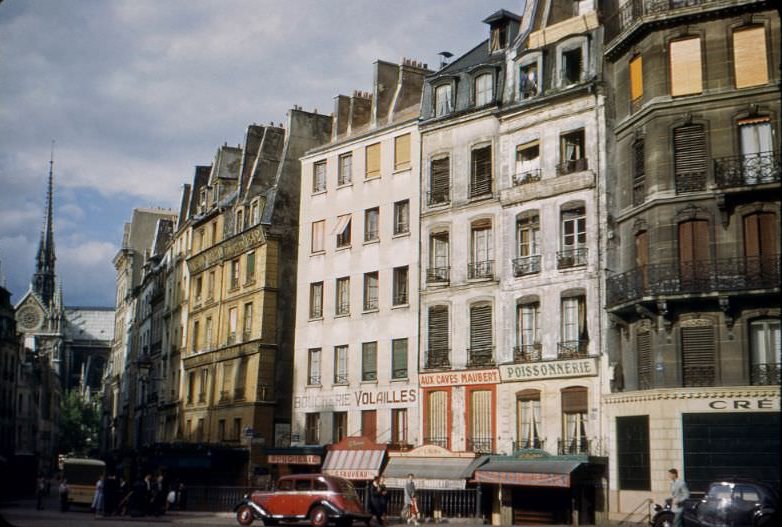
[44, 277]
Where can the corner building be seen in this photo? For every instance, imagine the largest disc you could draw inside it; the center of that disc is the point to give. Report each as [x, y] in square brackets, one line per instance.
[693, 254]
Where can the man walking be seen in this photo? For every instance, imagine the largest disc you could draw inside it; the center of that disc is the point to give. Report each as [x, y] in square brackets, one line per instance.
[679, 493]
[410, 509]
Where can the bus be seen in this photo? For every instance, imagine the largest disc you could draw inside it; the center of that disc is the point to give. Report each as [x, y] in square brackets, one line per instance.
[81, 474]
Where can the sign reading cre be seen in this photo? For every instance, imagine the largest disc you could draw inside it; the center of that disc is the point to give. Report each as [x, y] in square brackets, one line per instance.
[459, 378]
[548, 370]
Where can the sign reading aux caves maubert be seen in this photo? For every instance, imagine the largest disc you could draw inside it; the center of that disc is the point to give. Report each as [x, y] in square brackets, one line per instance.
[398, 397]
[459, 378]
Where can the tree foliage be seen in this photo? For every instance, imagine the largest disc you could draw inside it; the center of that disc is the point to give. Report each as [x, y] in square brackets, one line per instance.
[79, 424]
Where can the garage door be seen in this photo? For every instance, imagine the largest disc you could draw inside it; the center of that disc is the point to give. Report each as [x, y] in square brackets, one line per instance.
[730, 445]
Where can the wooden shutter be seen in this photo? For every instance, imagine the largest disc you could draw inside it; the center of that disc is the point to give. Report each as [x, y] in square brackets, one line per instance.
[373, 160]
[749, 56]
[643, 343]
[369, 424]
[689, 143]
[437, 418]
[685, 57]
[698, 353]
[636, 78]
[694, 241]
[440, 176]
[480, 327]
[481, 171]
[480, 418]
[760, 234]
[575, 400]
[402, 152]
[438, 328]
[641, 249]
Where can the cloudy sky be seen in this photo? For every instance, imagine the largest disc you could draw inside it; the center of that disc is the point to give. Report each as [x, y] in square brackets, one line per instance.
[135, 93]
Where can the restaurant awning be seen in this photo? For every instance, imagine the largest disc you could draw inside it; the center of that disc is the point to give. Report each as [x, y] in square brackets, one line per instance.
[353, 464]
[428, 473]
[534, 473]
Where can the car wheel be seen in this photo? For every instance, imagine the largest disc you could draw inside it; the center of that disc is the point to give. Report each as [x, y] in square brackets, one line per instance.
[319, 517]
[665, 520]
[244, 515]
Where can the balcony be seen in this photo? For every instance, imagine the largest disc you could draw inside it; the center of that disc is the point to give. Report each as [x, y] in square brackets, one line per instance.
[438, 275]
[690, 181]
[480, 445]
[525, 444]
[436, 440]
[572, 165]
[698, 376]
[573, 446]
[700, 277]
[747, 170]
[480, 270]
[572, 349]
[529, 353]
[526, 265]
[480, 357]
[438, 197]
[438, 359]
[531, 176]
[572, 258]
[765, 374]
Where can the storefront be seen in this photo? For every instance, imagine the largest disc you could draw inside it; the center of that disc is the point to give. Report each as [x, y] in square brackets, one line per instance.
[294, 460]
[355, 458]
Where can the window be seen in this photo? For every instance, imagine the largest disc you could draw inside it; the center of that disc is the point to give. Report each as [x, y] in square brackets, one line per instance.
[248, 322]
[481, 352]
[749, 56]
[573, 331]
[209, 336]
[436, 431]
[528, 239]
[574, 251]
[373, 161]
[698, 353]
[342, 230]
[399, 359]
[528, 80]
[481, 250]
[199, 286]
[528, 332]
[237, 432]
[499, 37]
[442, 100]
[340, 364]
[480, 175]
[370, 291]
[639, 172]
[572, 154]
[438, 338]
[693, 254]
[190, 386]
[575, 405]
[371, 224]
[757, 151]
[402, 217]
[255, 210]
[318, 231]
[241, 379]
[369, 361]
[210, 285]
[572, 66]
[316, 300]
[369, 424]
[339, 426]
[239, 227]
[438, 258]
[440, 181]
[203, 386]
[636, 78]
[689, 144]
[402, 152]
[527, 163]
[196, 342]
[479, 425]
[214, 233]
[235, 273]
[644, 366]
[400, 286]
[311, 429]
[760, 242]
[313, 367]
[582, 7]
[766, 355]
[342, 306]
[528, 420]
[483, 89]
[233, 320]
[399, 426]
[642, 256]
[632, 442]
[319, 177]
[249, 272]
[200, 429]
[345, 175]
[685, 63]
[227, 380]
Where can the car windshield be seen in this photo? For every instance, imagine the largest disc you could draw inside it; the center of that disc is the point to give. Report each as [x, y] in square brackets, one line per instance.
[345, 487]
[719, 492]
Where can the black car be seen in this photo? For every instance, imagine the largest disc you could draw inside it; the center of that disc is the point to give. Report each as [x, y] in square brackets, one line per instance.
[729, 503]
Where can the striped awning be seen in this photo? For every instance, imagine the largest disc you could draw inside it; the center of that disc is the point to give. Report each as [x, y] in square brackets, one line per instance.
[353, 464]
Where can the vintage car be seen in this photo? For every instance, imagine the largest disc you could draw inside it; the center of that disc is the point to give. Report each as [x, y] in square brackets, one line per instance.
[731, 503]
[314, 497]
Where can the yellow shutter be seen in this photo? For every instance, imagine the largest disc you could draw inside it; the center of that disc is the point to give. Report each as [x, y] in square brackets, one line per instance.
[686, 67]
[373, 160]
[636, 78]
[402, 152]
[749, 57]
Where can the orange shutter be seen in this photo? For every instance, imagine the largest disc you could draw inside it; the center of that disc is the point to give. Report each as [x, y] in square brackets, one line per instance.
[636, 78]
[373, 160]
[749, 57]
[686, 68]
[402, 152]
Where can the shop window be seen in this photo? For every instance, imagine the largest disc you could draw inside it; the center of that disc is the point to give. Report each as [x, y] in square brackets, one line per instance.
[750, 63]
[575, 407]
[685, 66]
[632, 447]
[528, 420]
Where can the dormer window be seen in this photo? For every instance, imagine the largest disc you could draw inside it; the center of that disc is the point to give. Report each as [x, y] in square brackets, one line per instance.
[528, 81]
[443, 102]
[483, 89]
[571, 67]
[499, 38]
[572, 61]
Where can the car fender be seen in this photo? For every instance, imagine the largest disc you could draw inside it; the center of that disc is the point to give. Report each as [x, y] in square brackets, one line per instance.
[259, 511]
[332, 509]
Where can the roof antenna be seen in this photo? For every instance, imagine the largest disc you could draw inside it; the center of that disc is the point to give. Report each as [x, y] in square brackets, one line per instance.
[445, 56]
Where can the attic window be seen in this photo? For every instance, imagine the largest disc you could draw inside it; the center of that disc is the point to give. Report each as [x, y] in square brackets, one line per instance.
[442, 100]
[499, 38]
[572, 65]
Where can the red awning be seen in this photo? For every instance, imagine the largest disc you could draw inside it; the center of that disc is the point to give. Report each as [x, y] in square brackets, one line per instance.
[353, 464]
[527, 472]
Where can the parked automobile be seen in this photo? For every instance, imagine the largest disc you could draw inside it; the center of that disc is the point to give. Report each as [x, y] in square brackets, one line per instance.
[314, 497]
[730, 503]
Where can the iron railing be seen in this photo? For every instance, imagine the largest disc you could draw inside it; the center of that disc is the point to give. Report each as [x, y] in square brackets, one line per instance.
[340, 378]
[523, 178]
[572, 165]
[369, 376]
[528, 353]
[523, 444]
[438, 197]
[437, 440]
[477, 270]
[342, 308]
[768, 374]
[674, 278]
[572, 349]
[480, 187]
[313, 380]
[399, 373]
[573, 446]
[481, 445]
[370, 304]
[526, 265]
[457, 503]
[438, 358]
[746, 170]
[438, 274]
[698, 376]
[572, 258]
[694, 181]
[480, 356]
[212, 499]
[400, 299]
[635, 10]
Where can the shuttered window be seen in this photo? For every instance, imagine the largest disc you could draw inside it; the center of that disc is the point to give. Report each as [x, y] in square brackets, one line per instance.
[369, 361]
[440, 180]
[698, 354]
[636, 78]
[402, 152]
[480, 180]
[693, 241]
[686, 70]
[689, 146]
[639, 172]
[437, 419]
[399, 359]
[750, 63]
[480, 429]
[575, 399]
[369, 424]
[438, 336]
[373, 161]
[318, 230]
[480, 327]
[643, 343]
[760, 235]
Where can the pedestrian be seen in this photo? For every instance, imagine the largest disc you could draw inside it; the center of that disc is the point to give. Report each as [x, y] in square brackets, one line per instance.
[97, 500]
[40, 490]
[110, 489]
[377, 501]
[679, 493]
[63, 490]
[123, 496]
[410, 509]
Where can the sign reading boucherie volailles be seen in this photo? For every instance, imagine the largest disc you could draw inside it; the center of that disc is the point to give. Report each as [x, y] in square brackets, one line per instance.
[548, 370]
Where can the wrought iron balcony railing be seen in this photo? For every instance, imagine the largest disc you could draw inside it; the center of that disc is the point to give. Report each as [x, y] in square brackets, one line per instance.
[438, 197]
[438, 358]
[370, 304]
[721, 275]
[766, 374]
[528, 353]
[480, 187]
[694, 181]
[313, 380]
[399, 373]
[523, 444]
[369, 376]
[697, 376]
[573, 446]
[480, 445]
[529, 176]
[480, 356]
[478, 270]
[340, 378]
[438, 274]
[747, 170]
[572, 349]
[437, 440]
[572, 165]
[342, 308]
[526, 265]
[572, 258]
[635, 11]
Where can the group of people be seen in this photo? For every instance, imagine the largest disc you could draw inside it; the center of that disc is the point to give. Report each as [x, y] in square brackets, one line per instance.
[150, 496]
[378, 501]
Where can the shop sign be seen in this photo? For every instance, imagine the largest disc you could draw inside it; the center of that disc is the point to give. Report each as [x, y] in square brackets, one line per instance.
[434, 484]
[293, 459]
[358, 399]
[548, 370]
[352, 473]
[744, 404]
[459, 378]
